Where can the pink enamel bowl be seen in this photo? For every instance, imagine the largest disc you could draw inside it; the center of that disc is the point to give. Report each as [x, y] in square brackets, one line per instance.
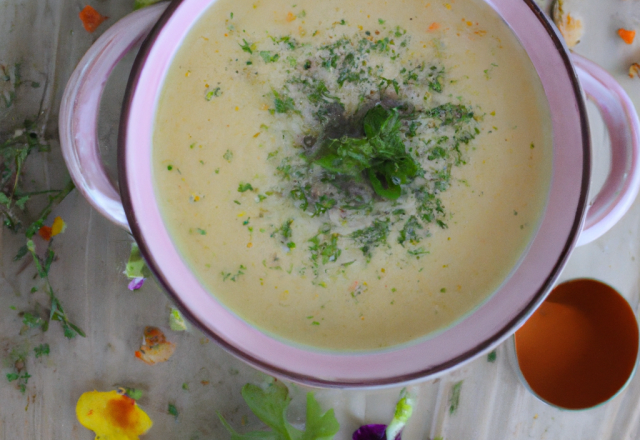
[568, 220]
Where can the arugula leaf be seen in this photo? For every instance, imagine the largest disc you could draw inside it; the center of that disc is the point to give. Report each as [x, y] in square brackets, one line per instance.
[270, 405]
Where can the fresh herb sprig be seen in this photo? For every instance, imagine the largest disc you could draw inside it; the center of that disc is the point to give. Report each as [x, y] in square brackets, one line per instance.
[57, 313]
[381, 156]
[270, 404]
[19, 373]
[14, 153]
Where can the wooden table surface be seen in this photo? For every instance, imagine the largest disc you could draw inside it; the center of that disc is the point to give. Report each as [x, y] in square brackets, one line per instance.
[47, 38]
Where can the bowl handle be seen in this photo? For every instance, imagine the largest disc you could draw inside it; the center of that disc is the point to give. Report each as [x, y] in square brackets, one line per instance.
[621, 187]
[80, 107]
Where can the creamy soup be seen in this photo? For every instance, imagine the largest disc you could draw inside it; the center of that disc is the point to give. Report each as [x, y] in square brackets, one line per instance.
[351, 175]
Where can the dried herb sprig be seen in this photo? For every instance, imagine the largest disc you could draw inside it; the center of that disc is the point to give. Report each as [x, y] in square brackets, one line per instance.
[57, 313]
[14, 152]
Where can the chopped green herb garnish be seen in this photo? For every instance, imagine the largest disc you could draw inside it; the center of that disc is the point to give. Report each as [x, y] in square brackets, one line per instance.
[247, 47]
[268, 57]
[134, 393]
[372, 236]
[324, 247]
[410, 231]
[213, 93]
[454, 397]
[228, 156]
[171, 409]
[243, 187]
[282, 103]
[233, 276]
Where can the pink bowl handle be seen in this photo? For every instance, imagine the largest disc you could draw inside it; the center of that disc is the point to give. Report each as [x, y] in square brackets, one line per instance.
[621, 187]
[80, 107]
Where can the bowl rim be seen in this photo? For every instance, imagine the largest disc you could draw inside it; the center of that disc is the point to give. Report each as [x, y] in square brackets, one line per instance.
[499, 334]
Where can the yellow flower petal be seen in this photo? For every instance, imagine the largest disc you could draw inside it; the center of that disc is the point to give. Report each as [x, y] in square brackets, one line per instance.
[58, 226]
[112, 416]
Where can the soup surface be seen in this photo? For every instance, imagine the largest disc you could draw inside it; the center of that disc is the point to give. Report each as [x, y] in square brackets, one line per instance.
[351, 175]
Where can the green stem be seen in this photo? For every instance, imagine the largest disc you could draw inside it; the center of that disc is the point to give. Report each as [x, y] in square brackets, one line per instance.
[36, 193]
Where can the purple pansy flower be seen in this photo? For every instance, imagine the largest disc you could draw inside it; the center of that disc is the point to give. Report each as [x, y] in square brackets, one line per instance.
[372, 432]
[392, 431]
[136, 283]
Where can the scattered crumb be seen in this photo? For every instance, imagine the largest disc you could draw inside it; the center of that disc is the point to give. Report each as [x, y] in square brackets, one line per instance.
[155, 348]
[569, 26]
[626, 35]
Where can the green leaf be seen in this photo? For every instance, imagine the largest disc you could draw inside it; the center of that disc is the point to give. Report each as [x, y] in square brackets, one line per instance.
[77, 329]
[171, 409]
[134, 393]
[247, 47]
[139, 4]
[12, 376]
[136, 266]
[243, 187]
[22, 201]
[32, 321]
[42, 350]
[176, 321]
[454, 397]
[385, 188]
[382, 156]
[270, 405]
[265, 435]
[282, 103]
[21, 253]
[319, 426]
[4, 200]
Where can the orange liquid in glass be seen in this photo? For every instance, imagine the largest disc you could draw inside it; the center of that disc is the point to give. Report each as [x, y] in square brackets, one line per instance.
[580, 347]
